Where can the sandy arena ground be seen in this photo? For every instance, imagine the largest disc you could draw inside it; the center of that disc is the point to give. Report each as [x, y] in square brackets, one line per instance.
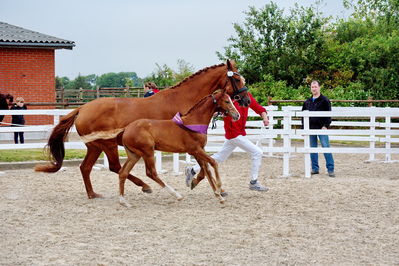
[352, 219]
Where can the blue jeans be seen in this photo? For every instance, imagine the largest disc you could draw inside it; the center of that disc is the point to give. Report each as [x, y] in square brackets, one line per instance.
[315, 156]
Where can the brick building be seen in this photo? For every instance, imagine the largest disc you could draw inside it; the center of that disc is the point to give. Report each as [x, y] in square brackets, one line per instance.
[27, 66]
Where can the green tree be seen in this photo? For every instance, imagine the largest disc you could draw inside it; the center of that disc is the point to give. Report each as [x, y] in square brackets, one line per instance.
[165, 76]
[81, 82]
[284, 46]
[118, 80]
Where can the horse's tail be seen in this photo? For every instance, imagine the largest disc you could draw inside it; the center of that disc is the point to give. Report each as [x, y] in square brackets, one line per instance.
[55, 146]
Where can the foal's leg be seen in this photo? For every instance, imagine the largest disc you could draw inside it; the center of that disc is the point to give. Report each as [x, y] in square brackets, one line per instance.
[200, 176]
[93, 152]
[206, 158]
[124, 173]
[152, 173]
[111, 150]
[216, 187]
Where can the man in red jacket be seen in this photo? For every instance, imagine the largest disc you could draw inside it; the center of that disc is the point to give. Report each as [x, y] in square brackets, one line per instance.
[236, 137]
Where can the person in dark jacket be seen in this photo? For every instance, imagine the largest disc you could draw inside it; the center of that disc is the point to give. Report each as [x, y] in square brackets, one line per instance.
[18, 119]
[5, 101]
[319, 102]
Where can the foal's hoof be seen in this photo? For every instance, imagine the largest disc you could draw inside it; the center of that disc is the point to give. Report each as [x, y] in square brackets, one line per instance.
[94, 195]
[193, 184]
[180, 198]
[147, 190]
[123, 202]
[221, 200]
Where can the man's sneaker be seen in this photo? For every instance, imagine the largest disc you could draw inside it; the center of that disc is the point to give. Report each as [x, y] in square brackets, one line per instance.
[190, 173]
[314, 172]
[224, 194]
[255, 185]
[331, 174]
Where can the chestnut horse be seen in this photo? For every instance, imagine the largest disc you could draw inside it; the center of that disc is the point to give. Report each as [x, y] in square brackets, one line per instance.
[100, 122]
[181, 134]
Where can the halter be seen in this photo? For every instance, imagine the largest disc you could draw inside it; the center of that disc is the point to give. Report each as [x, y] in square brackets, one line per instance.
[237, 91]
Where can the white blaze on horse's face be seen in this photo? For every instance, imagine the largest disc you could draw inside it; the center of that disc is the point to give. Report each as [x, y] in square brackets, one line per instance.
[227, 105]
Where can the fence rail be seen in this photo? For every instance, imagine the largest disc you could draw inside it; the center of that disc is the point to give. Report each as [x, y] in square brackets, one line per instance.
[372, 125]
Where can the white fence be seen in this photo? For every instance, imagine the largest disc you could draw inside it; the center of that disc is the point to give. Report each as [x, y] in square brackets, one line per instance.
[366, 124]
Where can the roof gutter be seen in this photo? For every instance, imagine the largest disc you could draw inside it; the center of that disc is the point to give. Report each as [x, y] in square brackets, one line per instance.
[37, 45]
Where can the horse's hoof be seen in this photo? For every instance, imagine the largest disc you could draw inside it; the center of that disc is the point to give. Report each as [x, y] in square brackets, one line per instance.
[147, 190]
[224, 194]
[221, 200]
[124, 203]
[179, 198]
[193, 185]
[94, 195]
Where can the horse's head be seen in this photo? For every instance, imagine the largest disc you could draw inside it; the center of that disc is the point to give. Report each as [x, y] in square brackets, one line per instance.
[224, 104]
[235, 85]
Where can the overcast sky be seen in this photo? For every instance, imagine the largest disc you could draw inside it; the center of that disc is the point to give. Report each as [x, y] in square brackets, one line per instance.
[133, 35]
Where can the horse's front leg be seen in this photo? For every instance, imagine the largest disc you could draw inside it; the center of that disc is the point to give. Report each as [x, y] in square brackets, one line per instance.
[216, 185]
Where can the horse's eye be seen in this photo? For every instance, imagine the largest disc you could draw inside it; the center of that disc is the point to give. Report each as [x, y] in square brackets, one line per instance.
[227, 102]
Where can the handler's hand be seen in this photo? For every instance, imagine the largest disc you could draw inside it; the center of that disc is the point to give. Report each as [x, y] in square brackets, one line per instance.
[265, 118]
[324, 128]
[265, 121]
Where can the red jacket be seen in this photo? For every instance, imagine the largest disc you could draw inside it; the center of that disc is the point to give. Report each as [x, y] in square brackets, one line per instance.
[234, 129]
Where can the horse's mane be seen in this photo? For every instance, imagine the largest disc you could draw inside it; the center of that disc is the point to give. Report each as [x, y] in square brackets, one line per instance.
[196, 74]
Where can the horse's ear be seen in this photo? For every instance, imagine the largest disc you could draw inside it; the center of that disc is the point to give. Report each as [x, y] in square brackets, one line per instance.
[229, 65]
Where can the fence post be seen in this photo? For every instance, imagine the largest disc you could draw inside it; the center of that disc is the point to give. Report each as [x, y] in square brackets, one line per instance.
[106, 162]
[62, 97]
[306, 144]
[286, 143]
[269, 99]
[188, 158]
[97, 92]
[176, 163]
[56, 119]
[81, 94]
[271, 140]
[387, 138]
[158, 162]
[370, 103]
[372, 135]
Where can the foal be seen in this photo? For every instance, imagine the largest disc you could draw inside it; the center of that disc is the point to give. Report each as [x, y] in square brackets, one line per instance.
[182, 134]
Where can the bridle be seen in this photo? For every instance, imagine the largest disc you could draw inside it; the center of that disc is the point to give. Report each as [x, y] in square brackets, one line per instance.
[236, 90]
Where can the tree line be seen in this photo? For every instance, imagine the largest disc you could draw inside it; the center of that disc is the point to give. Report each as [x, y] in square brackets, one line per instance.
[163, 76]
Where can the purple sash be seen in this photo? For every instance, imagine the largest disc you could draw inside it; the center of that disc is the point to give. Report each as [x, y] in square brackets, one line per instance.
[202, 129]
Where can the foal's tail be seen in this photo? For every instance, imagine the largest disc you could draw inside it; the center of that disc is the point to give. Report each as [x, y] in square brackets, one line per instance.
[55, 145]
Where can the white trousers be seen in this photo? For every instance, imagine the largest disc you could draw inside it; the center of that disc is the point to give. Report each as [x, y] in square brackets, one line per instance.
[244, 143]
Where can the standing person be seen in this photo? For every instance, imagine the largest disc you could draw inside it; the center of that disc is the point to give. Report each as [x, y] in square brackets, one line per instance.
[319, 102]
[236, 137]
[150, 88]
[18, 119]
[5, 101]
